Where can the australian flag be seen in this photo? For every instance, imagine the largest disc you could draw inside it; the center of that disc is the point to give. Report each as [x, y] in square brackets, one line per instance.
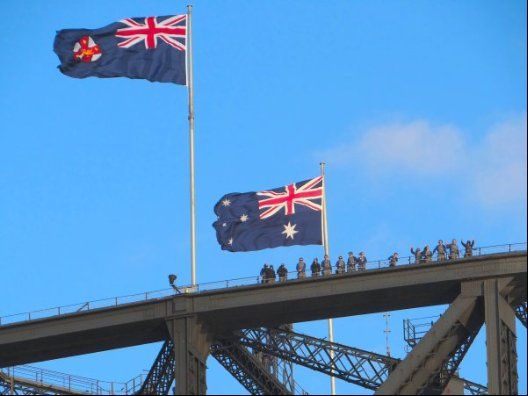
[151, 48]
[285, 216]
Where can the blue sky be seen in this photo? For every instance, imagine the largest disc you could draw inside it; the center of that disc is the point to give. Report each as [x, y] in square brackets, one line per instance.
[418, 108]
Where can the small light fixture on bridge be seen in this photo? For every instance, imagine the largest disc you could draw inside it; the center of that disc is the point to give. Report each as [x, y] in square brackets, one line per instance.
[172, 280]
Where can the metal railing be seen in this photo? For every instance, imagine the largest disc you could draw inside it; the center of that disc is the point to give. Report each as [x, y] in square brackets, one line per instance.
[415, 329]
[230, 283]
[39, 378]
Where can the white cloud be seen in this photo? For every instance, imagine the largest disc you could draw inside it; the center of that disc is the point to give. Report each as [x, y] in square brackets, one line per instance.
[416, 146]
[493, 169]
[499, 164]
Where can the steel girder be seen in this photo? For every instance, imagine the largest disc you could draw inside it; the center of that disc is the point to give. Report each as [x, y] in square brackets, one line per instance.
[434, 360]
[509, 374]
[474, 389]
[247, 369]
[353, 365]
[161, 374]
[7, 386]
[521, 312]
[237, 360]
[357, 366]
[438, 383]
[366, 369]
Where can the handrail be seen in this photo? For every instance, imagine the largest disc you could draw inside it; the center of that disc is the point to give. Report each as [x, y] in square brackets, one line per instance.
[34, 376]
[215, 285]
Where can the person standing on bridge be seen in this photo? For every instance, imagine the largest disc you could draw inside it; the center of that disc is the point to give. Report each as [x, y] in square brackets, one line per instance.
[271, 274]
[264, 273]
[417, 254]
[440, 250]
[453, 250]
[351, 262]
[301, 269]
[315, 267]
[340, 265]
[283, 273]
[393, 260]
[327, 265]
[362, 261]
[468, 246]
[427, 254]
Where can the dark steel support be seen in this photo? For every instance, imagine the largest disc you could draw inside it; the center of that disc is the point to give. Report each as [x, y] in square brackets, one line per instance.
[191, 348]
[357, 366]
[247, 369]
[473, 388]
[414, 331]
[161, 374]
[438, 383]
[500, 340]
[521, 312]
[353, 365]
[434, 360]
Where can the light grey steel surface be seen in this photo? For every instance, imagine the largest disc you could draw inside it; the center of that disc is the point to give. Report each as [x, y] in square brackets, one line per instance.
[262, 305]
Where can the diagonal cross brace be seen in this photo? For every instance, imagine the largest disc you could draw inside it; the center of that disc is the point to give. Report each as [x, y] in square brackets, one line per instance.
[233, 357]
[521, 312]
[434, 360]
[354, 365]
[247, 369]
[161, 374]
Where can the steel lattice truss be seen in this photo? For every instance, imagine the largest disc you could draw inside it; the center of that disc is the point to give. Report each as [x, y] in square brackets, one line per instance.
[449, 368]
[239, 356]
[475, 389]
[520, 312]
[237, 360]
[353, 365]
[161, 374]
[357, 366]
[247, 369]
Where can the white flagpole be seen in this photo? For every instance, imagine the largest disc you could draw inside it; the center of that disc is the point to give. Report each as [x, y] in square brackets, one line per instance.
[190, 90]
[326, 247]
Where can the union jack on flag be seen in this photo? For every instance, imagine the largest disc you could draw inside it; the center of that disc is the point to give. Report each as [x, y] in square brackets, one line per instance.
[170, 30]
[153, 48]
[308, 194]
[283, 216]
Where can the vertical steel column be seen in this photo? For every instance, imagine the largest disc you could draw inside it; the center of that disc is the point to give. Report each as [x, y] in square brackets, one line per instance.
[191, 348]
[500, 341]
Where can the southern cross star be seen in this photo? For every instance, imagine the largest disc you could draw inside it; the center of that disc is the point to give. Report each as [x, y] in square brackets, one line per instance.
[230, 241]
[244, 218]
[226, 202]
[289, 230]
